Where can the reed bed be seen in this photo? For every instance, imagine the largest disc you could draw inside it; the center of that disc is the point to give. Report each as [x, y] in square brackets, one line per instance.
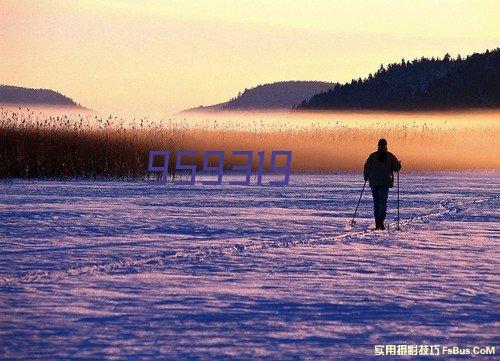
[37, 145]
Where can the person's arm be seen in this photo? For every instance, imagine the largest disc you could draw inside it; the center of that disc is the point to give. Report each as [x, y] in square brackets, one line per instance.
[396, 164]
[368, 165]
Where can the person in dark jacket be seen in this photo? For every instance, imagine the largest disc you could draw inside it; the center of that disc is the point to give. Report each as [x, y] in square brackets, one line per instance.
[378, 170]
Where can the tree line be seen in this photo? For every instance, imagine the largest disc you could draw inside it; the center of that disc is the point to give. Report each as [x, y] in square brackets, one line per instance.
[471, 82]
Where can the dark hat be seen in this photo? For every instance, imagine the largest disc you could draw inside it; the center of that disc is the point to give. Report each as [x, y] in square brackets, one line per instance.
[382, 143]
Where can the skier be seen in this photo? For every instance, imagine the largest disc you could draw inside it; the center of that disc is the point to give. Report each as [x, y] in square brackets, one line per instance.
[378, 170]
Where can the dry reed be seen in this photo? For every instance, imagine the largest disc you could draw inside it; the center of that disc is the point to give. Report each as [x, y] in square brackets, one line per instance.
[35, 145]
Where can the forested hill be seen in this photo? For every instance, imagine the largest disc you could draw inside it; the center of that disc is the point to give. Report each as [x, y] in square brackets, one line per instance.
[473, 82]
[18, 95]
[279, 95]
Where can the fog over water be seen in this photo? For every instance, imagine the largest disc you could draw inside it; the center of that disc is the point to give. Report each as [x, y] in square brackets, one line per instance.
[320, 141]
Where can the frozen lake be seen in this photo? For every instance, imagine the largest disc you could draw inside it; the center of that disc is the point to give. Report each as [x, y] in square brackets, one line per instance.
[124, 269]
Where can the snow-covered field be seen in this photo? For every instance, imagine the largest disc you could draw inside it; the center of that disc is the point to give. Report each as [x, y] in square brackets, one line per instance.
[124, 269]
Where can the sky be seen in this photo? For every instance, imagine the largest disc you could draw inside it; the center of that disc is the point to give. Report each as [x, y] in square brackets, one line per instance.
[158, 57]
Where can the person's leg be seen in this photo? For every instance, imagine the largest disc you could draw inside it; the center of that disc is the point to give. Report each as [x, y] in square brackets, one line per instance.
[383, 195]
[376, 204]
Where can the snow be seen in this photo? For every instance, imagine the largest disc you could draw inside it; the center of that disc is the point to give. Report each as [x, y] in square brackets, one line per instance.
[125, 269]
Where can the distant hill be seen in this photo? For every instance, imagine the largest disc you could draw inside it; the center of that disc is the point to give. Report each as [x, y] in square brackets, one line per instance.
[19, 95]
[279, 95]
[473, 82]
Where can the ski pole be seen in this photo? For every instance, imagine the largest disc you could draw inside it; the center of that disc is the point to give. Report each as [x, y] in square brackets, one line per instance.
[398, 201]
[357, 205]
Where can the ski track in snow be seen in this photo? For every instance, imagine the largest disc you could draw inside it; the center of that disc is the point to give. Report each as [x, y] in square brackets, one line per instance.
[245, 272]
[448, 205]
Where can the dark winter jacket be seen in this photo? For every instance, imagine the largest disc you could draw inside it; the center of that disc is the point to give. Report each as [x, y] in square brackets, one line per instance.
[381, 173]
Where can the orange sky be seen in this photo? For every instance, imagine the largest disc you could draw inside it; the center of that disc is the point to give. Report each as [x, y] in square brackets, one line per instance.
[158, 57]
